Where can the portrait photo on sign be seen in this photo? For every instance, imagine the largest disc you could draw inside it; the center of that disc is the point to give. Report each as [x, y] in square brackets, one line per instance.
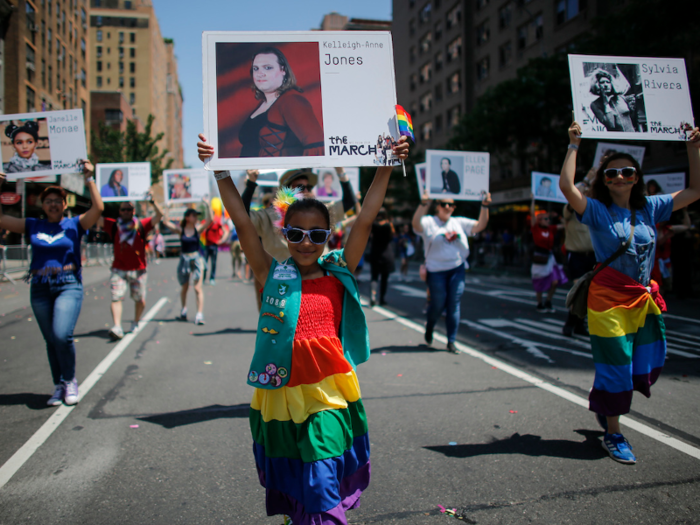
[664, 183]
[421, 170]
[630, 98]
[269, 99]
[25, 146]
[123, 181]
[186, 185]
[460, 175]
[545, 187]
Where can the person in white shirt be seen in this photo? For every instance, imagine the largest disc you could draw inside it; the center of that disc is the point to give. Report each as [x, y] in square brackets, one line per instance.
[446, 252]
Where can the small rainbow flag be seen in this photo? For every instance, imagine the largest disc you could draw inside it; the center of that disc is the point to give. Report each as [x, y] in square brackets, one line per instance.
[405, 123]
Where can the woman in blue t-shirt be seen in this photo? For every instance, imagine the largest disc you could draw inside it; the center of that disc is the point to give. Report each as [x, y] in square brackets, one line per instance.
[56, 288]
[624, 307]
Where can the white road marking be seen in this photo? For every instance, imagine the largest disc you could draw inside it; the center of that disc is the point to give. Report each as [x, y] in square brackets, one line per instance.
[20, 457]
[410, 291]
[539, 383]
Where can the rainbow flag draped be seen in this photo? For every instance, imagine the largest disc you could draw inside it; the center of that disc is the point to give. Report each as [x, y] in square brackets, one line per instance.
[405, 123]
[628, 340]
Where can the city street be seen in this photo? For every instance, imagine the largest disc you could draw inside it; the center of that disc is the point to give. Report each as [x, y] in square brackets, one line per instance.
[500, 432]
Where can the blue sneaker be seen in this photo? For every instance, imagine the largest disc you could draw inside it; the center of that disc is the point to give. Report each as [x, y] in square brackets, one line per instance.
[619, 449]
[602, 421]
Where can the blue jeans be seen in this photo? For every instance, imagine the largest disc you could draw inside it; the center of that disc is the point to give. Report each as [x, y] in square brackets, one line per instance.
[446, 289]
[56, 306]
[211, 251]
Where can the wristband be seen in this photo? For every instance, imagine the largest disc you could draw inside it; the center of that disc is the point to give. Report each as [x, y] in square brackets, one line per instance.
[573, 146]
[90, 179]
[221, 175]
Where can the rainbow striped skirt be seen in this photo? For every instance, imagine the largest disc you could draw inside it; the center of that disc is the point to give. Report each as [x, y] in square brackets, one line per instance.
[628, 339]
[310, 439]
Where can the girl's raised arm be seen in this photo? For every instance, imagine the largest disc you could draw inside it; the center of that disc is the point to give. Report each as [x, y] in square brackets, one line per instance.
[208, 219]
[577, 199]
[90, 217]
[7, 222]
[172, 226]
[357, 240]
[683, 198]
[258, 258]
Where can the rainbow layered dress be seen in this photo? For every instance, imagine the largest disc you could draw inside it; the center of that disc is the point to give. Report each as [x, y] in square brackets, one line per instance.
[310, 436]
[628, 340]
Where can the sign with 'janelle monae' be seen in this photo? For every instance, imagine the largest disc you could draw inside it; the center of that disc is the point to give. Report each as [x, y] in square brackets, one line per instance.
[41, 144]
[283, 100]
[631, 98]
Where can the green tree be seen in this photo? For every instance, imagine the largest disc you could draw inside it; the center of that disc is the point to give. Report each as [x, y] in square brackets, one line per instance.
[113, 145]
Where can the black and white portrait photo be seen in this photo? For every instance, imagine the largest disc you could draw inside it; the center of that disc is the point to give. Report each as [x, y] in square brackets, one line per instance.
[619, 102]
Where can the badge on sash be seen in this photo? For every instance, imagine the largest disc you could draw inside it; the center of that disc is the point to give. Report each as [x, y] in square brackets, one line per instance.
[284, 272]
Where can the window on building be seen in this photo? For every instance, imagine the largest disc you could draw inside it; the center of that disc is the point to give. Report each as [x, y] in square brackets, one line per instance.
[425, 42]
[414, 108]
[482, 33]
[114, 115]
[50, 80]
[132, 98]
[31, 63]
[31, 98]
[43, 33]
[412, 54]
[426, 131]
[121, 37]
[109, 66]
[568, 9]
[121, 52]
[109, 50]
[412, 27]
[454, 83]
[453, 115]
[538, 25]
[70, 31]
[439, 60]
[98, 79]
[426, 102]
[127, 4]
[121, 67]
[48, 6]
[99, 65]
[522, 37]
[132, 67]
[454, 49]
[426, 13]
[99, 51]
[426, 72]
[505, 15]
[83, 78]
[438, 124]
[454, 16]
[98, 34]
[132, 82]
[49, 40]
[30, 16]
[413, 81]
[132, 52]
[480, 4]
[505, 54]
[482, 68]
[438, 29]
[132, 38]
[70, 97]
[83, 18]
[63, 22]
[109, 81]
[438, 93]
[64, 54]
[43, 73]
[83, 48]
[121, 82]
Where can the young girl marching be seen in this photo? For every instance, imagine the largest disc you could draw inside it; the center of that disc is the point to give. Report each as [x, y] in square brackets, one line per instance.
[309, 426]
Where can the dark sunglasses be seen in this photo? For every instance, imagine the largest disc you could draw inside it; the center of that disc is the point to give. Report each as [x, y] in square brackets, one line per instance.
[296, 235]
[628, 173]
[304, 187]
[448, 205]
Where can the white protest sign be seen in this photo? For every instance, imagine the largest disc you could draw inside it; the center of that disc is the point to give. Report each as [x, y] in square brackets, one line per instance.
[299, 99]
[41, 144]
[421, 170]
[666, 182]
[126, 181]
[545, 187]
[630, 98]
[460, 175]
[270, 178]
[186, 185]
[604, 149]
[328, 188]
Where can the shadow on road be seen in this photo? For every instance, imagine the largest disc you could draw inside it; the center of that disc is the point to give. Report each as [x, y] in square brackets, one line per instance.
[197, 415]
[31, 401]
[396, 349]
[99, 334]
[225, 331]
[531, 445]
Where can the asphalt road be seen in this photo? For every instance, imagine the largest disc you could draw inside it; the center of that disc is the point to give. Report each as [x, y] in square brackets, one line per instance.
[162, 435]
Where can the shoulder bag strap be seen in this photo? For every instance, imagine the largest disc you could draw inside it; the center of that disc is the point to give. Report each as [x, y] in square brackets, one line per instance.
[623, 247]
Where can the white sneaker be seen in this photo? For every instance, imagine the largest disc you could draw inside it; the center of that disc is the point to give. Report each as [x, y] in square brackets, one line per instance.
[199, 318]
[57, 397]
[134, 326]
[71, 392]
[183, 314]
[116, 332]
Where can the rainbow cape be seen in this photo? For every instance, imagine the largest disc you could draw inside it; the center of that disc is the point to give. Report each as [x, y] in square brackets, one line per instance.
[628, 340]
[405, 123]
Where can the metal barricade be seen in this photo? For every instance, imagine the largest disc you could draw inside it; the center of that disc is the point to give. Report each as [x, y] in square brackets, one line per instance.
[15, 260]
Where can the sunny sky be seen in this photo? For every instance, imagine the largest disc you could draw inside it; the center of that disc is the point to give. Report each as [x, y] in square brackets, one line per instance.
[184, 22]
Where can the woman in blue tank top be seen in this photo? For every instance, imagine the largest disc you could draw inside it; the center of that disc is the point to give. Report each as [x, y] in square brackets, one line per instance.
[191, 260]
[56, 293]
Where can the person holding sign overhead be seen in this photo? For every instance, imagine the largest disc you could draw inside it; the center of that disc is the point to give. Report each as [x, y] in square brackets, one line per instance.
[56, 292]
[446, 252]
[624, 307]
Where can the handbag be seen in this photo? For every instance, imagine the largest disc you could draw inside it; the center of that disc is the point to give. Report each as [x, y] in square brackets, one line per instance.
[577, 298]
[540, 256]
